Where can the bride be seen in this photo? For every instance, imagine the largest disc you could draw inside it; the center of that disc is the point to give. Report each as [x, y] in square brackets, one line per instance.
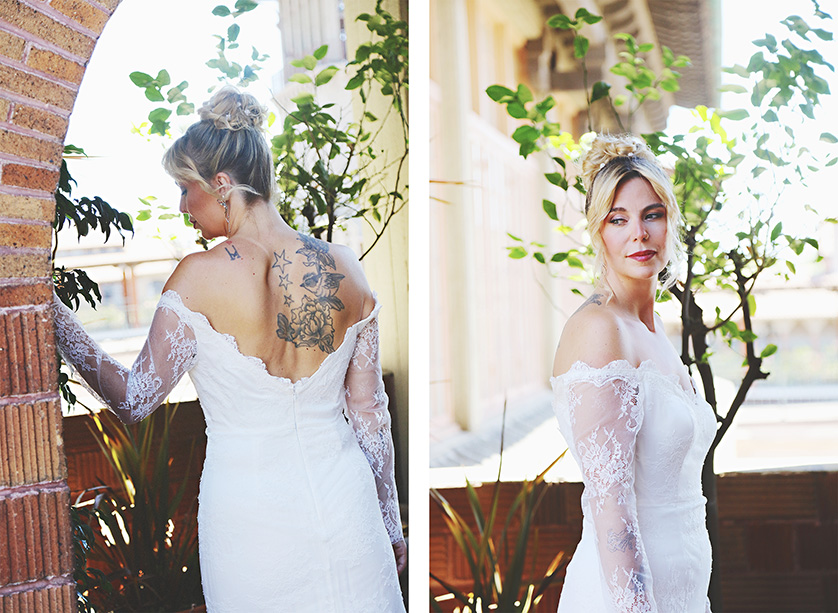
[628, 407]
[278, 331]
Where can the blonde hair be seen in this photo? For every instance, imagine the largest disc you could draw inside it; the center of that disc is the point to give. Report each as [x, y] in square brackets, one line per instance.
[613, 160]
[229, 139]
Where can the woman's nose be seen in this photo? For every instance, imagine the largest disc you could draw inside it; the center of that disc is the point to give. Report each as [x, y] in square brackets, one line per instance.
[640, 231]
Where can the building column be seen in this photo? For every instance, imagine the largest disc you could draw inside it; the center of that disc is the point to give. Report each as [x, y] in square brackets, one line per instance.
[44, 49]
[450, 23]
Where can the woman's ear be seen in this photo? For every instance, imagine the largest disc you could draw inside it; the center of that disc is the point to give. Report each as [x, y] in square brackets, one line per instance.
[223, 183]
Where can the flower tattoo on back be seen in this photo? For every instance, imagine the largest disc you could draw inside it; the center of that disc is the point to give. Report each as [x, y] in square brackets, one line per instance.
[311, 322]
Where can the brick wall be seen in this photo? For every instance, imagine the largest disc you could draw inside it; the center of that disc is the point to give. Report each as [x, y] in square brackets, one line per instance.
[44, 49]
[779, 535]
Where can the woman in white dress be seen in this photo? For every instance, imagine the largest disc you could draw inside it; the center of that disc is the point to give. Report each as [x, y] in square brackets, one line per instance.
[627, 406]
[278, 331]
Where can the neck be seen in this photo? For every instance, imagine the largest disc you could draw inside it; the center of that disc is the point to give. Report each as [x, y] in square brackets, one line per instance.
[635, 298]
[259, 221]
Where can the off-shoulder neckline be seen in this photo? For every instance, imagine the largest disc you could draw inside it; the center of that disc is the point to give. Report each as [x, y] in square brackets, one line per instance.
[621, 366]
[257, 361]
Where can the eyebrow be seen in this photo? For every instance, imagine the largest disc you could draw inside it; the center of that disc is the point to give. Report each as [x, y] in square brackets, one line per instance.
[656, 205]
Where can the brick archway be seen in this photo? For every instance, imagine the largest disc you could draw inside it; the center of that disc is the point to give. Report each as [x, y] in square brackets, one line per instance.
[45, 46]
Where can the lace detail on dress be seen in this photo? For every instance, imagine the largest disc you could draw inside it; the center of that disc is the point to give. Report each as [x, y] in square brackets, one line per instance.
[366, 404]
[605, 413]
[168, 353]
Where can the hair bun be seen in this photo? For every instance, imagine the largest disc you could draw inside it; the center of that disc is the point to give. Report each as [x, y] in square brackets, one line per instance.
[230, 109]
[605, 148]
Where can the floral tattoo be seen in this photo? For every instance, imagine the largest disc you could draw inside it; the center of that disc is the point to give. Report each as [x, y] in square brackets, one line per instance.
[311, 322]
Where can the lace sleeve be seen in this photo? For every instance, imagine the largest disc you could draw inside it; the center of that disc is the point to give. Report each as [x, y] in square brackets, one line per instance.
[169, 351]
[366, 404]
[605, 419]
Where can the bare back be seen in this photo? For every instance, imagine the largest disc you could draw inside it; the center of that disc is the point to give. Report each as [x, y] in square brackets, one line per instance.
[287, 299]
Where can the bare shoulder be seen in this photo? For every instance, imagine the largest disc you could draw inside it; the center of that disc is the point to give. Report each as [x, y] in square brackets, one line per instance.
[343, 261]
[191, 274]
[594, 334]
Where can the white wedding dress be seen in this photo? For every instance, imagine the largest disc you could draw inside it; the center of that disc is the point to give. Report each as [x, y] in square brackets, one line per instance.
[640, 440]
[297, 506]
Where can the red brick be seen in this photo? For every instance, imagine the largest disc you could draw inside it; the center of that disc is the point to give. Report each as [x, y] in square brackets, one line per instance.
[44, 599]
[55, 65]
[27, 265]
[25, 336]
[11, 46]
[770, 547]
[767, 496]
[34, 557]
[109, 5]
[817, 546]
[730, 553]
[84, 13]
[30, 147]
[771, 593]
[25, 235]
[46, 28]
[36, 88]
[24, 295]
[6, 550]
[5, 105]
[42, 179]
[25, 207]
[40, 120]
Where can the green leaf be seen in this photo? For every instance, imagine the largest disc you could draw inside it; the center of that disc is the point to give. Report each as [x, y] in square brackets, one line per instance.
[557, 179]
[515, 238]
[735, 89]
[154, 94]
[775, 233]
[305, 98]
[143, 215]
[221, 11]
[300, 77]
[828, 138]
[524, 94]
[516, 253]
[325, 75]
[518, 111]
[498, 92]
[320, 52]
[525, 134]
[185, 108]
[600, 90]
[233, 32]
[309, 62]
[770, 349]
[736, 115]
[560, 22]
[140, 79]
[580, 47]
[589, 18]
[160, 114]
[163, 78]
[550, 208]
[791, 267]
[539, 256]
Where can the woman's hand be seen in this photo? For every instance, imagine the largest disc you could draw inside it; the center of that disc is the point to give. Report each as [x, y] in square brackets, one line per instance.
[400, 549]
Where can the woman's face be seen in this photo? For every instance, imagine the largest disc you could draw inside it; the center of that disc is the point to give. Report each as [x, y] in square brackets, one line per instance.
[204, 211]
[634, 232]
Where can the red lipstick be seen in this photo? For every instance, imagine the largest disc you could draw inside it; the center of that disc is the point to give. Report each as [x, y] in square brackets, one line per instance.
[643, 256]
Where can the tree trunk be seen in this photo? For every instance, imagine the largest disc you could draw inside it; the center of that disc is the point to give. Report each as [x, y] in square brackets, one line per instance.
[708, 480]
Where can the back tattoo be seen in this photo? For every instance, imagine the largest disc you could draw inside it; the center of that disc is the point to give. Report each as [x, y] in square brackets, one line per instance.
[311, 323]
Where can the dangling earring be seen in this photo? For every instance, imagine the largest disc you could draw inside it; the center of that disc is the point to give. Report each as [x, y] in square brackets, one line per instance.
[226, 214]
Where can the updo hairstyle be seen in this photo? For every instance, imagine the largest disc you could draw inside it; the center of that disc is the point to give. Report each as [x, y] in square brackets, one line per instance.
[611, 161]
[228, 138]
